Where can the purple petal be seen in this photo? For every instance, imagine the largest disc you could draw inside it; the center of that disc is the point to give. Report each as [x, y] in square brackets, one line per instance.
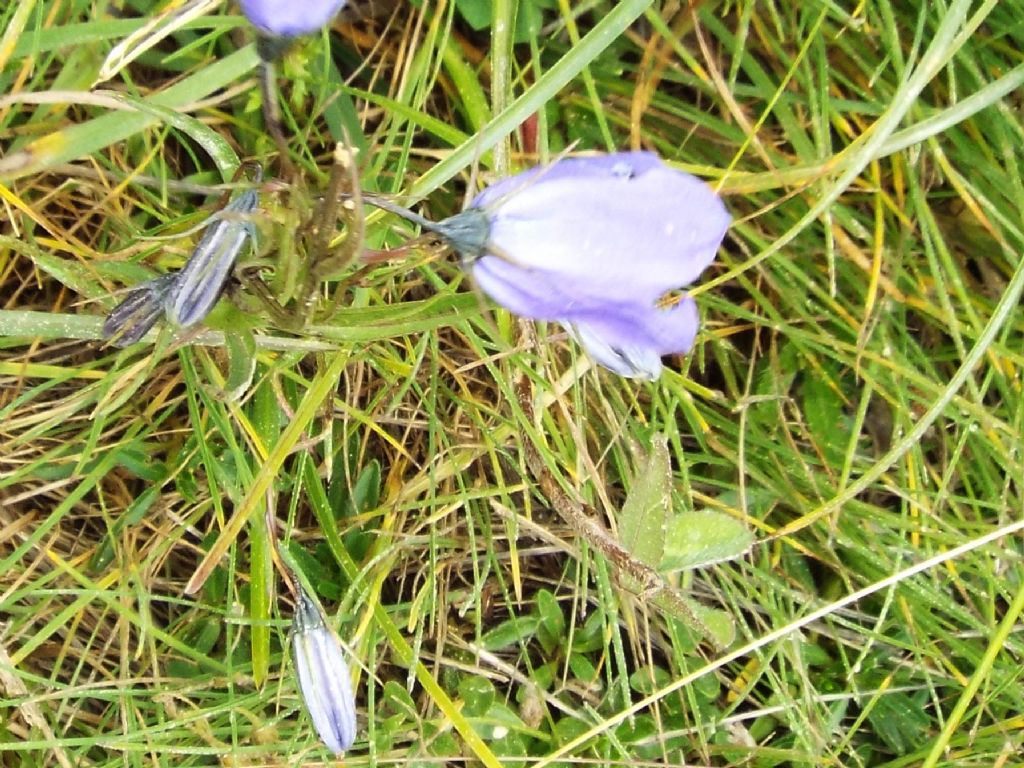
[628, 337]
[201, 281]
[606, 232]
[290, 18]
[595, 167]
[533, 293]
[639, 363]
[324, 680]
[632, 340]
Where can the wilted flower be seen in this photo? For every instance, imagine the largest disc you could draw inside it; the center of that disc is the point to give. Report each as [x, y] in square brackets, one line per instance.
[596, 243]
[202, 279]
[290, 18]
[323, 675]
[187, 296]
[130, 320]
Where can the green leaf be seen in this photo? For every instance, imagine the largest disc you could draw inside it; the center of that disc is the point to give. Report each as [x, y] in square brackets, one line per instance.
[439, 745]
[241, 348]
[477, 13]
[366, 493]
[719, 623]
[530, 18]
[131, 516]
[591, 636]
[551, 631]
[900, 721]
[477, 693]
[203, 635]
[308, 566]
[261, 574]
[583, 669]
[398, 700]
[510, 632]
[825, 416]
[647, 680]
[645, 515]
[703, 537]
[265, 413]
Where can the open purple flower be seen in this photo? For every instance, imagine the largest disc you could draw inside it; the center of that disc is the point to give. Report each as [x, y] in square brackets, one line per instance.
[290, 18]
[596, 243]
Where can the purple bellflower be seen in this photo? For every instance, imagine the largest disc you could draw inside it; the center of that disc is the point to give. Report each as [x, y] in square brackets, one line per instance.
[595, 243]
[290, 18]
[324, 680]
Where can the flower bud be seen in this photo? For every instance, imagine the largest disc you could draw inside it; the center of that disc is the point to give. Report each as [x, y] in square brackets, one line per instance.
[324, 680]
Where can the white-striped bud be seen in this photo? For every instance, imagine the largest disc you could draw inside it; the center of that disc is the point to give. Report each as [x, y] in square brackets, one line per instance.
[324, 679]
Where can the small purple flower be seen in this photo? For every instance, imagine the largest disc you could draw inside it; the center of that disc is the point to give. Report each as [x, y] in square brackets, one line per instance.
[290, 18]
[596, 243]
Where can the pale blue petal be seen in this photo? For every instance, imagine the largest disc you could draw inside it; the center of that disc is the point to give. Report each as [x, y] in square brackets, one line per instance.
[632, 340]
[580, 168]
[627, 337]
[633, 363]
[596, 243]
[534, 293]
[335, 716]
[610, 234]
[290, 18]
[201, 281]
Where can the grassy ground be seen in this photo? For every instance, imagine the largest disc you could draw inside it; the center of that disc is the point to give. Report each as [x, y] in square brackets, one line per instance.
[854, 398]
